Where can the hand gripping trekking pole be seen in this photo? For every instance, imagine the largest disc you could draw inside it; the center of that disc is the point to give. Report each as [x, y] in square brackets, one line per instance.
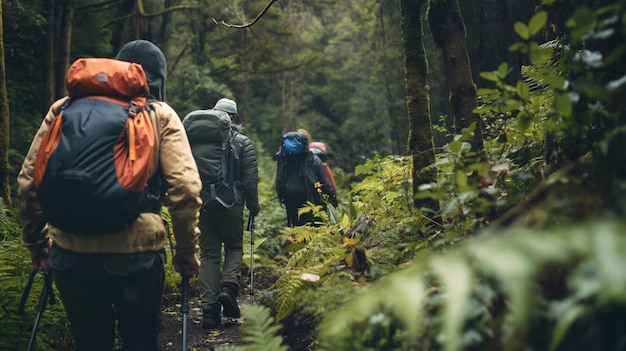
[251, 229]
[47, 295]
[184, 308]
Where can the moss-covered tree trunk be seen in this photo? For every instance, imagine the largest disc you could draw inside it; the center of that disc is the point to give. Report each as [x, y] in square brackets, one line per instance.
[5, 193]
[448, 28]
[421, 143]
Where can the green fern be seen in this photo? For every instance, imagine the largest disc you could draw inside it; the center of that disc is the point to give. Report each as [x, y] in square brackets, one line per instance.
[450, 293]
[259, 331]
[15, 268]
[286, 299]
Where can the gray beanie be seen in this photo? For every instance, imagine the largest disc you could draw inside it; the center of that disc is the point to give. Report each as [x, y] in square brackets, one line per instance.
[151, 58]
[228, 106]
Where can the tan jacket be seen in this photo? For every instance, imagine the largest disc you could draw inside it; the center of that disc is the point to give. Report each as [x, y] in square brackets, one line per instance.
[172, 155]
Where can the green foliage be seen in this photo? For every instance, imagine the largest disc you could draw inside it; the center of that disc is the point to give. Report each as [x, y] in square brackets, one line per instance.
[552, 158]
[350, 248]
[9, 228]
[15, 268]
[259, 331]
[483, 296]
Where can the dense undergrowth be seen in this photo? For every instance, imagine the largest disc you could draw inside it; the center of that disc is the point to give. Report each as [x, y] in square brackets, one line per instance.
[525, 253]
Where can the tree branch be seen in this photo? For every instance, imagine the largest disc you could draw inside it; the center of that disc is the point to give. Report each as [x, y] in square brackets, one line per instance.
[249, 23]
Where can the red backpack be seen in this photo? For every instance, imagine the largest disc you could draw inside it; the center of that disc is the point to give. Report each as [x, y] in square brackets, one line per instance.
[92, 166]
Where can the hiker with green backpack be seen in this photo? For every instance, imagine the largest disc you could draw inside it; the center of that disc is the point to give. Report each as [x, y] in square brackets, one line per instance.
[227, 163]
[90, 193]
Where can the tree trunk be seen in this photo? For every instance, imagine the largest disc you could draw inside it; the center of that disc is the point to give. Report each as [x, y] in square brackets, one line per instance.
[244, 107]
[119, 29]
[5, 193]
[421, 143]
[49, 93]
[448, 28]
[64, 16]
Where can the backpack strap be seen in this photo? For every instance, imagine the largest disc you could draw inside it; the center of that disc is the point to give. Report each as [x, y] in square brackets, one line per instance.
[233, 168]
[225, 158]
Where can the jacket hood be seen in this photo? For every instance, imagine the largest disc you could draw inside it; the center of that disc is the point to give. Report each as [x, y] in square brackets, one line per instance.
[151, 58]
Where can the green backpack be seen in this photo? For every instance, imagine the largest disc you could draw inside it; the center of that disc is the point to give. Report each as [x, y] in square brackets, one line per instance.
[211, 139]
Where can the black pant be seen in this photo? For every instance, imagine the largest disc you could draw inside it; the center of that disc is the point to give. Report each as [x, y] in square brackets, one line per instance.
[293, 202]
[94, 298]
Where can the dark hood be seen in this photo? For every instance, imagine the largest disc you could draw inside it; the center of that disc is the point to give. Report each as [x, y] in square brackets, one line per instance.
[151, 58]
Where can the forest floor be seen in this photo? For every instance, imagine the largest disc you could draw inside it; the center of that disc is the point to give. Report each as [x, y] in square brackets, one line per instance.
[228, 334]
[198, 339]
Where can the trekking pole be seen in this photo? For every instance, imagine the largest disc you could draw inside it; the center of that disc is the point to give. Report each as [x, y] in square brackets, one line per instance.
[184, 307]
[47, 295]
[251, 229]
[29, 285]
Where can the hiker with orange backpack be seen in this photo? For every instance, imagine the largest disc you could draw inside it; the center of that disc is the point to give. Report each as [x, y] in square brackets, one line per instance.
[89, 196]
[319, 149]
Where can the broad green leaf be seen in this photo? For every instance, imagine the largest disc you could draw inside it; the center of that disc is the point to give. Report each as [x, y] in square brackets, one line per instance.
[487, 92]
[609, 255]
[563, 104]
[538, 54]
[537, 22]
[503, 69]
[524, 120]
[512, 104]
[523, 90]
[583, 18]
[345, 221]
[490, 76]
[457, 282]
[460, 179]
[563, 324]
[409, 293]
[522, 30]
[467, 133]
[554, 80]
[455, 146]
[519, 46]
[513, 270]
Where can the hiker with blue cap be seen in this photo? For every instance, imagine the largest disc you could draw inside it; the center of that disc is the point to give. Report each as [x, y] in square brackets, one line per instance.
[301, 177]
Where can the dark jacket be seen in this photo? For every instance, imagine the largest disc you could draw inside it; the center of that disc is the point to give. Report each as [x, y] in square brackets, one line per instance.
[311, 169]
[248, 172]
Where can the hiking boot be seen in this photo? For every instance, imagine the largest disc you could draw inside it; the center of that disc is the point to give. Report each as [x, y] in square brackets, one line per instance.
[211, 318]
[228, 299]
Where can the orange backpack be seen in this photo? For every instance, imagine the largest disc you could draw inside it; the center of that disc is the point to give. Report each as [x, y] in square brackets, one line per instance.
[92, 167]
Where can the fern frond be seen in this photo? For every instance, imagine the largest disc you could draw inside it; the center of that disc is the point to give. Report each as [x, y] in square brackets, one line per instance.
[260, 331]
[287, 297]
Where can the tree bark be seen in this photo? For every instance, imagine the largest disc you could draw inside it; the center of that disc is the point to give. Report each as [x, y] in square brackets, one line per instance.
[49, 93]
[448, 28]
[421, 143]
[5, 192]
[64, 16]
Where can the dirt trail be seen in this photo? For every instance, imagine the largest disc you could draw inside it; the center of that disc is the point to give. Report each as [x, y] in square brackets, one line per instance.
[198, 339]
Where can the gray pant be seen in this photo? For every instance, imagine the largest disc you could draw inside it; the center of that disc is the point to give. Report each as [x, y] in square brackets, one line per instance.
[219, 227]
